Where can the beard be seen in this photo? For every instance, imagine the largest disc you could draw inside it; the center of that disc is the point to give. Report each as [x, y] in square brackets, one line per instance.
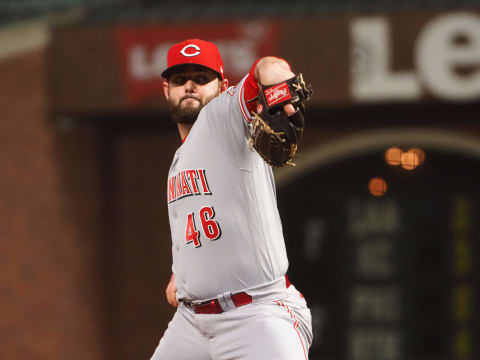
[188, 113]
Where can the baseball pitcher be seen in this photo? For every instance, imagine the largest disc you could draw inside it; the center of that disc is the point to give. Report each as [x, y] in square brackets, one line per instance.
[229, 283]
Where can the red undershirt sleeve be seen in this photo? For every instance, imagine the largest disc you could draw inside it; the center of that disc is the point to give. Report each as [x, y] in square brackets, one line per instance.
[251, 88]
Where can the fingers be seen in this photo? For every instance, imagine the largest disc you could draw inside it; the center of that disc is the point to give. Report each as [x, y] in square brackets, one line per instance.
[171, 292]
[172, 300]
[172, 297]
[289, 109]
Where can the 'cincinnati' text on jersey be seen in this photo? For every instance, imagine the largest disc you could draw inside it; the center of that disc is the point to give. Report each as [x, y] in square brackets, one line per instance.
[187, 183]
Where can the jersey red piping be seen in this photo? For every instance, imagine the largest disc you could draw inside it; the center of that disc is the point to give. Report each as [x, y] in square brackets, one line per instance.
[295, 325]
[243, 108]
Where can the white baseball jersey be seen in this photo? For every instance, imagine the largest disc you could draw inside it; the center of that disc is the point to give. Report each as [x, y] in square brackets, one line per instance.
[225, 227]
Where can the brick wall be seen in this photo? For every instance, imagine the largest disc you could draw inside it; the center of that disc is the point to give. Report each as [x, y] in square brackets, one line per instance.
[50, 291]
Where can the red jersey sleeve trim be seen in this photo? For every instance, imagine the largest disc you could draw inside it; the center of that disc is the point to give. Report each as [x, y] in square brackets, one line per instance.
[244, 106]
[251, 83]
[248, 92]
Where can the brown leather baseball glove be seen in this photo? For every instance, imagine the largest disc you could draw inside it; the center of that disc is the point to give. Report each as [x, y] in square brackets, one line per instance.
[275, 134]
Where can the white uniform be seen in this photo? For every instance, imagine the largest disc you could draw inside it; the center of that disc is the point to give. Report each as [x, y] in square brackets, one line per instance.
[227, 238]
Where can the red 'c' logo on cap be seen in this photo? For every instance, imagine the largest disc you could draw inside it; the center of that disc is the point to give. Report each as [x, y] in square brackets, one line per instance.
[190, 54]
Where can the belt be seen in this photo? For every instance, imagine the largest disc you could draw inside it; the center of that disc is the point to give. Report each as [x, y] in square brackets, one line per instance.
[213, 306]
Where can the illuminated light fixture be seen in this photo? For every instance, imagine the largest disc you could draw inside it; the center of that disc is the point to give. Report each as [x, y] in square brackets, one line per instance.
[377, 186]
[409, 160]
[420, 154]
[393, 156]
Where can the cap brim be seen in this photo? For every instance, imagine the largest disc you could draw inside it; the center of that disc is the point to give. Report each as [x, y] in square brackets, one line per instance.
[166, 72]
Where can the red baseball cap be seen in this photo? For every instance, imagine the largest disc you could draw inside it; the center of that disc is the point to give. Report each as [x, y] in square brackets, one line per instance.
[194, 51]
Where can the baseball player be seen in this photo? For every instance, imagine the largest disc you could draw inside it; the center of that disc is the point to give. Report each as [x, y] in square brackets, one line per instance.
[229, 283]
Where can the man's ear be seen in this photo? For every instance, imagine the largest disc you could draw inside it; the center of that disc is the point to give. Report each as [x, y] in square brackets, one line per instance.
[165, 89]
[223, 85]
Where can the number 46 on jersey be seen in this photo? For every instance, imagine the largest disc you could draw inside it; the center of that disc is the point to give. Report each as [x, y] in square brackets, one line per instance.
[211, 228]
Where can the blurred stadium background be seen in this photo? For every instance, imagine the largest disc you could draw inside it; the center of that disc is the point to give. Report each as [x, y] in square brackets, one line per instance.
[381, 214]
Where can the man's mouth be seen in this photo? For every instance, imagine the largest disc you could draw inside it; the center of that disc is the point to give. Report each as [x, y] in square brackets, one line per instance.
[189, 98]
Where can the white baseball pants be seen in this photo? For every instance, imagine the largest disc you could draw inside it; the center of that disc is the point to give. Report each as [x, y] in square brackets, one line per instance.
[276, 329]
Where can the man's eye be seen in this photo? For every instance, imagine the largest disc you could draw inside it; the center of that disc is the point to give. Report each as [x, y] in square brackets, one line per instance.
[179, 80]
[201, 79]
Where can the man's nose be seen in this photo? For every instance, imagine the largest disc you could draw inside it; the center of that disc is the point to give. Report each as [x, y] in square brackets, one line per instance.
[190, 86]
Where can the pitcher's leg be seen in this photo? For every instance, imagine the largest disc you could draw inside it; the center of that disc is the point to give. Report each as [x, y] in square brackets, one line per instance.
[259, 332]
[182, 340]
